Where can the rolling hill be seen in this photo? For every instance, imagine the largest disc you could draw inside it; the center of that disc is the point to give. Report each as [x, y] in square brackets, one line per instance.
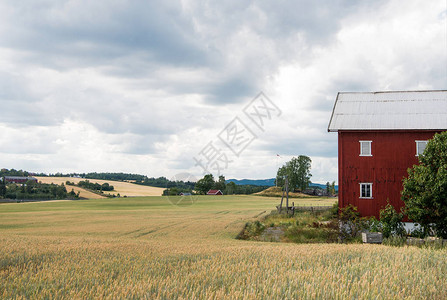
[269, 182]
[123, 188]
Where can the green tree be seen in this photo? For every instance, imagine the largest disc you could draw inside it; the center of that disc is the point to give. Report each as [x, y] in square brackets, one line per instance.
[280, 176]
[205, 184]
[2, 187]
[230, 188]
[333, 188]
[297, 171]
[425, 189]
[220, 184]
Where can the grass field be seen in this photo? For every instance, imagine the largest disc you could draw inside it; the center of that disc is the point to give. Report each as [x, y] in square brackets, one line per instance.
[149, 248]
[123, 188]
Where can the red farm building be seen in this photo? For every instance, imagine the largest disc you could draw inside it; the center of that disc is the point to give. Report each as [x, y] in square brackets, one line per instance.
[18, 179]
[214, 192]
[380, 136]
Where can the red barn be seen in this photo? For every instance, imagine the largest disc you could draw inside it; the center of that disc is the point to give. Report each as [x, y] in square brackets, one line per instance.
[380, 136]
[214, 192]
[18, 179]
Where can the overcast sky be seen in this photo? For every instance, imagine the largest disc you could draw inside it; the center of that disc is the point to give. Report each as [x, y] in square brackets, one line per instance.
[152, 87]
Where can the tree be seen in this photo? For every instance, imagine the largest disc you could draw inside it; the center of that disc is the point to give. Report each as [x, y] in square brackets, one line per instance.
[2, 187]
[333, 188]
[425, 189]
[205, 184]
[298, 172]
[280, 176]
[230, 188]
[220, 184]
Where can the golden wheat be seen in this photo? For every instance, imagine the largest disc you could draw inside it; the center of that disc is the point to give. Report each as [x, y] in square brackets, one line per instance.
[147, 248]
[121, 187]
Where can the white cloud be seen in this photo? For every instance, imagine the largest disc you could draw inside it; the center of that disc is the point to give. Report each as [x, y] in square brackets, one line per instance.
[143, 87]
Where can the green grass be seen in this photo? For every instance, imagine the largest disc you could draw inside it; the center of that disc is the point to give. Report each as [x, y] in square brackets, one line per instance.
[302, 227]
[148, 248]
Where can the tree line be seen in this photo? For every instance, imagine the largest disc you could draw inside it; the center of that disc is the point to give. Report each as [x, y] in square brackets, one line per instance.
[20, 173]
[162, 182]
[203, 185]
[34, 191]
[92, 185]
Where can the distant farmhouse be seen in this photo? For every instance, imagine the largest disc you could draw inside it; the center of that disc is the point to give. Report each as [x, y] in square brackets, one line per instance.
[380, 136]
[214, 192]
[18, 179]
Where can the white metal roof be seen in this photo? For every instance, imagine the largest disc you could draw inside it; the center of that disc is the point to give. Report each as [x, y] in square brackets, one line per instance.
[408, 110]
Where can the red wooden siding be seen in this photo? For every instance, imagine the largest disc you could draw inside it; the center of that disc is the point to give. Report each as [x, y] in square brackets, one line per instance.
[393, 152]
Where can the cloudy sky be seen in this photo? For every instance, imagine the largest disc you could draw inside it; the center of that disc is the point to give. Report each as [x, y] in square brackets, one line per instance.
[152, 87]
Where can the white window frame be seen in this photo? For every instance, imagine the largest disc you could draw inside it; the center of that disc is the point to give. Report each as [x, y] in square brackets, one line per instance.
[361, 148]
[417, 146]
[370, 190]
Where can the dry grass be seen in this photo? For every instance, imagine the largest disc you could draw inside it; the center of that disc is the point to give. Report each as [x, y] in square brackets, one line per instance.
[83, 193]
[123, 188]
[147, 248]
[277, 192]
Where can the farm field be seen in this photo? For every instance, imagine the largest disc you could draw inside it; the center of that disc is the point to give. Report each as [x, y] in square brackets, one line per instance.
[145, 247]
[123, 188]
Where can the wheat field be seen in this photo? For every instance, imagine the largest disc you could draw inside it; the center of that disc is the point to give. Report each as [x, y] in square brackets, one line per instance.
[121, 187]
[148, 248]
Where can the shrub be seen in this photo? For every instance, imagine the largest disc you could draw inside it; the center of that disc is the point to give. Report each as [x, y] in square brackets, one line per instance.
[373, 225]
[334, 210]
[420, 232]
[251, 231]
[395, 240]
[351, 224]
[391, 222]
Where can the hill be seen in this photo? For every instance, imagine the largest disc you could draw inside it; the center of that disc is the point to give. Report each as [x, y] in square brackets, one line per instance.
[277, 192]
[258, 182]
[123, 188]
[270, 182]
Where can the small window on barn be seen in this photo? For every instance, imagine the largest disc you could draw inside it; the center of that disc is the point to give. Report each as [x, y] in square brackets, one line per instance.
[366, 190]
[365, 148]
[420, 147]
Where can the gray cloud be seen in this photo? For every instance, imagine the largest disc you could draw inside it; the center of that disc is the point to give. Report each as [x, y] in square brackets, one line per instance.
[156, 79]
[98, 32]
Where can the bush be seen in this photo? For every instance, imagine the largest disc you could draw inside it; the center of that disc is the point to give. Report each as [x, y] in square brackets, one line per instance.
[420, 232]
[373, 225]
[334, 210]
[396, 241]
[351, 224]
[251, 231]
[391, 222]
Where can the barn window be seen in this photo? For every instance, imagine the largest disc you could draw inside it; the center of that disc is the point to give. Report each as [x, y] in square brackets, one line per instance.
[420, 147]
[365, 148]
[365, 190]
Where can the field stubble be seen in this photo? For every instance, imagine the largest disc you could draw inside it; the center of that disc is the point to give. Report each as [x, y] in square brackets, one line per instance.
[147, 248]
[121, 187]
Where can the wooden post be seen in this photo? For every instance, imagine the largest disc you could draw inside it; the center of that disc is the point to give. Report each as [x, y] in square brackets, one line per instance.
[280, 205]
[287, 194]
[285, 191]
[282, 199]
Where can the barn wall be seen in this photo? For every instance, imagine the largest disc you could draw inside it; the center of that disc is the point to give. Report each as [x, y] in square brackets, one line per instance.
[393, 152]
